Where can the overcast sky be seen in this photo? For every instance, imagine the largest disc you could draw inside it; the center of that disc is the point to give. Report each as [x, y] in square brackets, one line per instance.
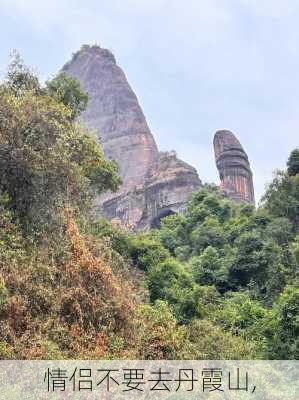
[196, 66]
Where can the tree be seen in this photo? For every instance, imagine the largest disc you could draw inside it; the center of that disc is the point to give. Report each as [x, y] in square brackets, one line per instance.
[169, 281]
[281, 230]
[11, 238]
[159, 337]
[20, 78]
[250, 262]
[67, 90]
[259, 266]
[205, 266]
[147, 251]
[293, 163]
[282, 326]
[282, 195]
[212, 268]
[240, 315]
[209, 341]
[46, 161]
[209, 233]
[170, 232]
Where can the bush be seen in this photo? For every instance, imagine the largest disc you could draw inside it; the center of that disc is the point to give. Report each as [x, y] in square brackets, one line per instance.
[209, 342]
[158, 335]
[3, 295]
[171, 282]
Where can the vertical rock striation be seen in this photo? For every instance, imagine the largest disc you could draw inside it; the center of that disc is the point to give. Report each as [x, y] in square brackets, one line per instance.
[233, 166]
[154, 184]
[114, 112]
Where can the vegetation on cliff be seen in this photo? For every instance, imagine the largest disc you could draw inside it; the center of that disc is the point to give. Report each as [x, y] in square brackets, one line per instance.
[220, 281]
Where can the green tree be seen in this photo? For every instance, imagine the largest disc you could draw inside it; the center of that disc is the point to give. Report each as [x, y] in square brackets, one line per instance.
[240, 315]
[159, 337]
[209, 233]
[293, 163]
[67, 90]
[147, 251]
[208, 341]
[20, 79]
[212, 267]
[280, 229]
[250, 262]
[282, 326]
[171, 282]
[206, 266]
[46, 161]
[170, 231]
[282, 197]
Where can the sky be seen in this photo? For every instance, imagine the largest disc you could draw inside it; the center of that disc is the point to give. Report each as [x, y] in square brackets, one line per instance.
[196, 66]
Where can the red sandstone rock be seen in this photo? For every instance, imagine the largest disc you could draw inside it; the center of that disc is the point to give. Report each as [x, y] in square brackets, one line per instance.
[154, 185]
[233, 166]
[114, 112]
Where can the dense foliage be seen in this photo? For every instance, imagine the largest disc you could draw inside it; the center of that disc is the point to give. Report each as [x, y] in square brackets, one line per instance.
[46, 160]
[228, 266]
[220, 281]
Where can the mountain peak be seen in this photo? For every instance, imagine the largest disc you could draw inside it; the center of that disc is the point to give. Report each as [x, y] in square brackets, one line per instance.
[91, 53]
[114, 112]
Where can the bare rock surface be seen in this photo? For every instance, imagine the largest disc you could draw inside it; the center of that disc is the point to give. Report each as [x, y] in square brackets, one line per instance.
[164, 193]
[154, 184]
[114, 112]
[234, 167]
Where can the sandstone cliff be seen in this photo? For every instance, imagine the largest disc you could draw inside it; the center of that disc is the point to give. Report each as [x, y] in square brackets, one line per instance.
[154, 184]
[165, 192]
[233, 166]
[113, 111]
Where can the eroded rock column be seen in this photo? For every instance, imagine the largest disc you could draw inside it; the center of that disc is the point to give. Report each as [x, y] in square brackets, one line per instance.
[234, 167]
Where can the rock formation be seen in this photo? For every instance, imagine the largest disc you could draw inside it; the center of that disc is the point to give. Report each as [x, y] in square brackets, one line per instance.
[233, 166]
[165, 192]
[154, 184]
[113, 111]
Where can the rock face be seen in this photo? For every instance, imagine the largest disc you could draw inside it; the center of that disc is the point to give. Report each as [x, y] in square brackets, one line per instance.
[113, 111]
[233, 166]
[165, 192]
[168, 189]
[154, 184]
